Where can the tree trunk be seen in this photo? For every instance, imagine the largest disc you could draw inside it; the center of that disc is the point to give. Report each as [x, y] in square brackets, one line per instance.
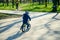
[58, 2]
[12, 3]
[17, 3]
[48, 1]
[3, 2]
[39, 1]
[20, 1]
[7, 1]
[45, 3]
[54, 5]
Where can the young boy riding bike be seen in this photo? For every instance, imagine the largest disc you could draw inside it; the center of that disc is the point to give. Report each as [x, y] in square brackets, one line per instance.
[26, 18]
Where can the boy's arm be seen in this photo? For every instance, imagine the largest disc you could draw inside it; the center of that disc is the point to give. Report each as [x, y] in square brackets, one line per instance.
[29, 18]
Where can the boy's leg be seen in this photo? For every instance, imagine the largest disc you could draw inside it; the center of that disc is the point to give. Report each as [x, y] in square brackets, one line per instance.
[28, 25]
[22, 26]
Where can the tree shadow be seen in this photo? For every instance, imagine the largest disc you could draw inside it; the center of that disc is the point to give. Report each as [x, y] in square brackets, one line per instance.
[1, 24]
[6, 22]
[52, 20]
[41, 15]
[50, 31]
[9, 26]
[17, 35]
[54, 17]
[42, 36]
[47, 25]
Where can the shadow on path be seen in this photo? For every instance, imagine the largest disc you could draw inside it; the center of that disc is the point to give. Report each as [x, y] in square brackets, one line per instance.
[54, 17]
[47, 25]
[41, 15]
[9, 26]
[12, 24]
[18, 34]
[50, 31]
[6, 22]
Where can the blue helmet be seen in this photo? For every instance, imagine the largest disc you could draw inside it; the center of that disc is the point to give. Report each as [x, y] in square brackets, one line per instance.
[26, 12]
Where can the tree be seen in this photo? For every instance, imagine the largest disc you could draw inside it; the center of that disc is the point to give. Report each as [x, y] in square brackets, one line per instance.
[42, 1]
[39, 1]
[17, 2]
[7, 1]
[2, 1]
[48, 1]
[20, 1]
[54, 5]
[58, 1]
[33, 1]
[45, 3]
[12, 3]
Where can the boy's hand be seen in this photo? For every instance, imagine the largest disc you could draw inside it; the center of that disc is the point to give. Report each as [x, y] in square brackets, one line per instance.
[30, 19]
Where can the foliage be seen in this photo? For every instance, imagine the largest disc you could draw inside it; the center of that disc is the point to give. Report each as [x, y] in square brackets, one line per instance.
[29, 6]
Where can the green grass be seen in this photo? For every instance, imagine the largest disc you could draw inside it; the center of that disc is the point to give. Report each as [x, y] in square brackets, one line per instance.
[30, 7]
[36, 7]
[3, 15]
[58, 9]
[5, 7]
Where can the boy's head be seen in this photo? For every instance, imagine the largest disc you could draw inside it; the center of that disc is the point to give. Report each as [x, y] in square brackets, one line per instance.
[26, 12]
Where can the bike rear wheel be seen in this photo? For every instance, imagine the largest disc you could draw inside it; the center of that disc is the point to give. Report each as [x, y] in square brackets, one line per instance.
[24, 28]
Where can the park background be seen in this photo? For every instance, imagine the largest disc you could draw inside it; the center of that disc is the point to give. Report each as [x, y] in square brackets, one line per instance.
[30, 5]
[45, 23]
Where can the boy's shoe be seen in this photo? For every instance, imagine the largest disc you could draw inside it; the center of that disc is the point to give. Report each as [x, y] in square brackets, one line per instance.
[23, 31]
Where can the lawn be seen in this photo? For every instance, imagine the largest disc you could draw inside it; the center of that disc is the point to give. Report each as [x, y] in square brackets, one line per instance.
[5, 7]
[5, 15]
[30, 7]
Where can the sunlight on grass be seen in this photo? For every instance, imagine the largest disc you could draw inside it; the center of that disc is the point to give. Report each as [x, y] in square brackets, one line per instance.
[30, 7]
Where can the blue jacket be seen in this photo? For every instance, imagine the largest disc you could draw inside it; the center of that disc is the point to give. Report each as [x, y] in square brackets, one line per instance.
[26, 17]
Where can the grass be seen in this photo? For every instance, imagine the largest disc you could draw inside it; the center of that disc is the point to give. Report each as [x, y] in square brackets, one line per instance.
[36, 7]
[30, 7]
[58, 9]
[3, 15]
[5, 7]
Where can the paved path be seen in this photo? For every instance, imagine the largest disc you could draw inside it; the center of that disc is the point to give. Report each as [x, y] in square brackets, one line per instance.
[44, 26]
[18, 12]
[11, 11]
